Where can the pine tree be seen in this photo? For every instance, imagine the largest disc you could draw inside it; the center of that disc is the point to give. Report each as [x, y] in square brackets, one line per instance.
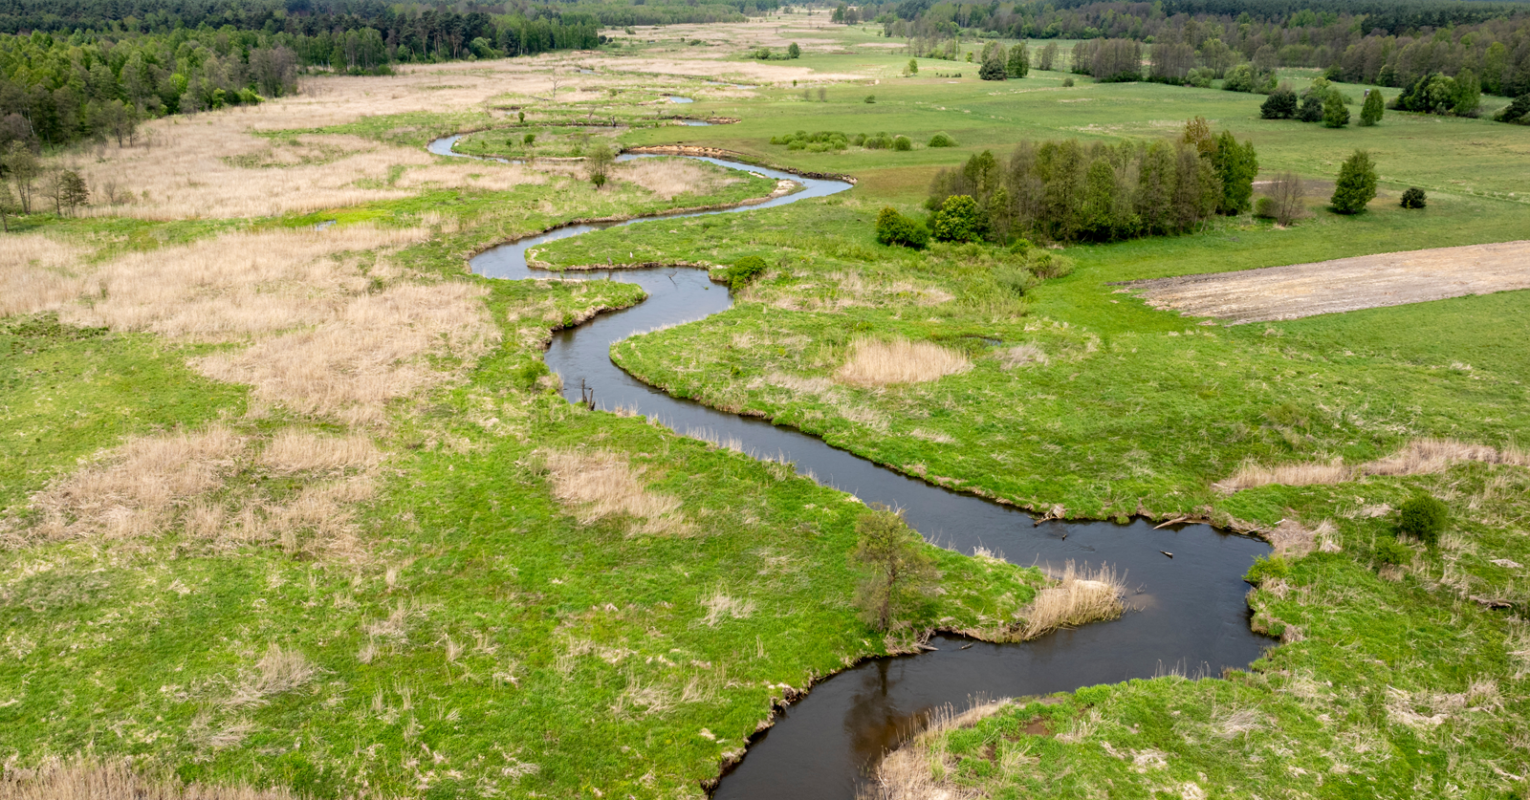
[1236, 166]
[1356, 185]
[1374, 108]
[993, 68]
[1335, 113]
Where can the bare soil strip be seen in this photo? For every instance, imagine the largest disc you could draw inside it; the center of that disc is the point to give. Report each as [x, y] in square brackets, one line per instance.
[1345, 284]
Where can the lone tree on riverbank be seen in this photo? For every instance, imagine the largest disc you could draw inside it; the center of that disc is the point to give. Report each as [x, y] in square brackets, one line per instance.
[599, 163]
[901, 572]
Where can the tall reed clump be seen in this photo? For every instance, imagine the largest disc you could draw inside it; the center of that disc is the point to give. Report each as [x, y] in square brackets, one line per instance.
[1080, 596]
[879, 363]
[85, 780]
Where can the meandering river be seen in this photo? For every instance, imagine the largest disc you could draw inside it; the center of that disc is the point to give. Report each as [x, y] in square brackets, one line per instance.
[1190, 612]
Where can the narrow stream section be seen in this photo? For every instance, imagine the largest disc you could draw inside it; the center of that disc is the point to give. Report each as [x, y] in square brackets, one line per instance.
[1191, 615]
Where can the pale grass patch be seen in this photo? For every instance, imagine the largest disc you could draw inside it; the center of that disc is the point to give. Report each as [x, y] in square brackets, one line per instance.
[236, 285]
[670, 178]
[294, 450]
[1291, 539]
[1239, 723]
[720, 606]
[324, 511]
[204, 735]
[921, 768]
[277, 672]
[878, 363]
[1080, 596]
[649, 700]
[79, 779]
[1418, 457]
[136, 489]
[1023, 355]
[931, 436]
[484, 175]
[599, 483]
[1251, 475]
[38, 274]
[374, 351]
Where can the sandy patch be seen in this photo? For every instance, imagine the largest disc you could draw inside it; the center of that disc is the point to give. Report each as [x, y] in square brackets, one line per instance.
[1345, 284]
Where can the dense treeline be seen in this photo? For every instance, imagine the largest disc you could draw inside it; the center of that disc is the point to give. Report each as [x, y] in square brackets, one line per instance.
[390, 20]
[1389, 44]
[1068, 190]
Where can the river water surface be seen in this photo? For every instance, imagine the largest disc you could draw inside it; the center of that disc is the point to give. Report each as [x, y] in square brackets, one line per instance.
[1190, 612]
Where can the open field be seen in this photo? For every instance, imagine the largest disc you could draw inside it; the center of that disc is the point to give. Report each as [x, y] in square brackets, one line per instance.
[1346, 284]
[297, 510]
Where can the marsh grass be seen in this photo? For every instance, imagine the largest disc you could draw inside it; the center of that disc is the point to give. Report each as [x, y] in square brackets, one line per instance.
[600, 484]
[80, 779]
[37, 273]
[878, 363]
[1423, 456]
[1078, 597]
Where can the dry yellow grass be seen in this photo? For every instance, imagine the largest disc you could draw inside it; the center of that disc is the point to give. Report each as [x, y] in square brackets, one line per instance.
[135, 490]
[921, 769]
[1418, 457]
[234, 286]
[38, 273]
[670, 178]
[878, 363]
[374, 350]
[302, 451]
[1079, 597]
[84, 780]
[598, 484]
[277, 672]
[1022, 355]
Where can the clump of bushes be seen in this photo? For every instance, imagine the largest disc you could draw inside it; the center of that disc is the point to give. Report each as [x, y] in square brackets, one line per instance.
[743, 271]
[815, 142]
[895, 229]
[1392, 553]
[1517, 111]
[960, 220]
[1423, 518]
[902, 143]
[1413, 198]
[1439, 94]
[942, 140]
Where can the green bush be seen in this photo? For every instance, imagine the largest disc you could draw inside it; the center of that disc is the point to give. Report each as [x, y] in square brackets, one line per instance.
[1413, 198]
[871, 98]
[1067, 82]
[880, 141]
[1265, 208]
[743, 271]
[902, 143]
[529, 139]
[1266, 568]
[942, 140]
[1517, 111]
[1393, 553]
[1423, 518]
[1281, 104]
[1356, 185]
[959, 220]
[1335, 113]
[1200, 77]
[895, 229]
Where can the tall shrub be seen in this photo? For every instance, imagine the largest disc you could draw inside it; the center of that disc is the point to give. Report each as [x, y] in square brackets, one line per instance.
[1356, 185]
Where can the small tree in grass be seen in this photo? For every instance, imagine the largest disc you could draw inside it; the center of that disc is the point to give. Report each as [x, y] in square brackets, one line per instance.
[912, 69]
[1335, 113]
[1424, 519]
[793, 51]
[1374, 108]
[993, 67]
[1413, 198]
[1019, 63]
[1356, 185]
[1285, 195]
[901, 570]
[1281, 104]
[599, 162]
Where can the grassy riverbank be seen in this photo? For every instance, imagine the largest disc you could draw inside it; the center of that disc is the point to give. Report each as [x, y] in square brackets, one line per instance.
[301, 508]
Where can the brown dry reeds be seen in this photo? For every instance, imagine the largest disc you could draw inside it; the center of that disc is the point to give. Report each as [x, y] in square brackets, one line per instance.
[600, 484]
[1023, 355]
[38, 274]
[878, 363]
[1079, 597]
[670, 178]
[84, 780]
[373, 351]
[921, 769]
[135, 490]
[1418, 457]
[236, 285]
[277, 672]
[302, 451]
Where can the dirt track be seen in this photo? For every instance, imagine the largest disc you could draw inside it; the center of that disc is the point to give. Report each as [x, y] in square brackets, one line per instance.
[1345, 284]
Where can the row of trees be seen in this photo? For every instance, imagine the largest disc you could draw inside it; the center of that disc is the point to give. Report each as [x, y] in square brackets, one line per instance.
[27, 184]
[1378, 47]
[1000, 63]
[1068, 191]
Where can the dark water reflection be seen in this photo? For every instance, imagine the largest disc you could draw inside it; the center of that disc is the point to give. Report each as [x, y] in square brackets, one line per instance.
[1191, 615]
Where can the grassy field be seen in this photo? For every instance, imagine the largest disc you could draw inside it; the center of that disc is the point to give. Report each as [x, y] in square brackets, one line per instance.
[286, 507]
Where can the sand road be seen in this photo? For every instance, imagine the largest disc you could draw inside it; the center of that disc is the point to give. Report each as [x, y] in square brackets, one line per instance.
[1345, 284]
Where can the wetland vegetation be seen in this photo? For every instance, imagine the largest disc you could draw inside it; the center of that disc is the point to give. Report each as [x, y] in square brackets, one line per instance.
[292, 502]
